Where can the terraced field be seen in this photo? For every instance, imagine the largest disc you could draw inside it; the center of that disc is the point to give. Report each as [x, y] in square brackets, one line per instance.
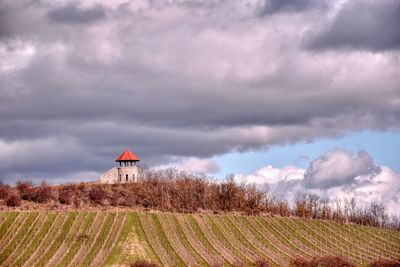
[168, 239]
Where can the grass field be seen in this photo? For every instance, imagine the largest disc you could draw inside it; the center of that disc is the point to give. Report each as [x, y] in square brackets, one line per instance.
[170, 239]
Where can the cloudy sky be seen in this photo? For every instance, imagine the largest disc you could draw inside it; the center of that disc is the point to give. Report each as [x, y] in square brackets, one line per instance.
[210, 86]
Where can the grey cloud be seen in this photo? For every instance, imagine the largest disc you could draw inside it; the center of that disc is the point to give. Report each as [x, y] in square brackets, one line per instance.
[17, 20]
[280, 6]
[172, 85]
[338, 168]
[74, 14]
[365, 25]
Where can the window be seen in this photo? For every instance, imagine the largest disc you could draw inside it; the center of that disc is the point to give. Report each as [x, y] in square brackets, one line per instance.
[126, 177]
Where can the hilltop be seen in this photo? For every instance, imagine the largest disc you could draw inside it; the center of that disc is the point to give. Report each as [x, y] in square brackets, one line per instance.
[173, 191]
[175, 239]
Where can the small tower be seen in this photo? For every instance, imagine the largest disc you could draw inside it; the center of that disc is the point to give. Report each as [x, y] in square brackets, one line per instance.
[127, 169]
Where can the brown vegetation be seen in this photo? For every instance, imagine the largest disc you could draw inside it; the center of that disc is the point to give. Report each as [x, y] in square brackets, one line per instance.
[385, 263]
[143, 264]
[13, 200]
[4, 190]
[327, 261]
[171, 190]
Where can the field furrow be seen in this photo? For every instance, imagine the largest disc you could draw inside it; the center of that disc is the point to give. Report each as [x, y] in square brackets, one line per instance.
[66, 244]
[380, 247]
[88, 238]
[292, 237]
[379, 236]
[345, 242]
[111, 240]
[182, 238]
[35, 240]
[78, 240]
[8, 222]
[18, 236]
[58, 239]
[46, 239]
[12, 229]
[28, 237]
[329, 245]
[106, 238]
[281, 239]
[218, 241]
[269, 241]
[269, 236]
[155, 241]
[269, 253]
[174, 240]
[199, 243]
[235, 238]
[312, 247]
[100, 239]
[3, 216]
[164, 240]
[366, 251]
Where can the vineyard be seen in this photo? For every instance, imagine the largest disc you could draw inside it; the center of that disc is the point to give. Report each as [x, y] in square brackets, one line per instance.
[174, 239]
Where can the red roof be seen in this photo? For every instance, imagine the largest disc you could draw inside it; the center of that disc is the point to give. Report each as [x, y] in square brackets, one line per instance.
[127, 155]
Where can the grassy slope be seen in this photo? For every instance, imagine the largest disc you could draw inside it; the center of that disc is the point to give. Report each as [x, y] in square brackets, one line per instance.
[110, 238]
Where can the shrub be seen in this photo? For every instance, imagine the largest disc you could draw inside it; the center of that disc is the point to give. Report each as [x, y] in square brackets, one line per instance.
[333, 261]
[327, 261]
[65, 195]
[4, 191]
[261, 263]
[143, 264]
[43, 193]
[13, 200]
[26, 190]
[301, 262]
[385, 263]
[97, 194]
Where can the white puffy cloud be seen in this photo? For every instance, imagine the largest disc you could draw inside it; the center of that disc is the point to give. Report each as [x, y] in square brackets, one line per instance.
[195, 165]
[272, 176]
[338, 167]
[336, 174]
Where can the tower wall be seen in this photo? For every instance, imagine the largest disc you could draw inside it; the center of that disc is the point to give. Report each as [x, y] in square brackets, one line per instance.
[128, 174]
[110, 177]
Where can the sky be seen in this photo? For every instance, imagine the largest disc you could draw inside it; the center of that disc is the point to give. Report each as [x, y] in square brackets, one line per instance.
[255, 88]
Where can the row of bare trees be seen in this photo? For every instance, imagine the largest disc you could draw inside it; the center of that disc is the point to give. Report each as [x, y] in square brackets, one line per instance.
[177, 191]
[343, 210]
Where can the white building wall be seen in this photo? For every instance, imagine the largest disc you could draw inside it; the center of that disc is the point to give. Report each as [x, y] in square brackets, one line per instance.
[110, 176]
[120, 175]
[128, 174]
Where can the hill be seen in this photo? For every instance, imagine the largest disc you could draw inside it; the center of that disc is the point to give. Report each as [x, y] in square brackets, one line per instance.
[85, 238]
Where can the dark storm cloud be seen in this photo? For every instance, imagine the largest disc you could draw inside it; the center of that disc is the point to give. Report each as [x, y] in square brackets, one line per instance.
[74, 14]
[14, 20]
[172, 82]
[280, 6]
[365, 25]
